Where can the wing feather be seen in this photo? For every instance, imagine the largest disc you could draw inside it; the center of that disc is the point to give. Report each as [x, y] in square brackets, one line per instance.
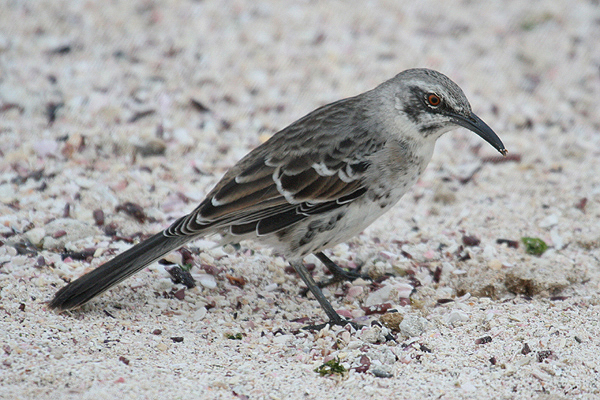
[313, 166]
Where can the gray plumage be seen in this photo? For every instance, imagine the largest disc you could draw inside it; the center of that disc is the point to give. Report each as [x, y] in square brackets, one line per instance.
[317, 182]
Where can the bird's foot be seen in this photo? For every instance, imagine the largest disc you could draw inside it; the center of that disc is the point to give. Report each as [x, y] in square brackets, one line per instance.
[338, 321]
[339, 274]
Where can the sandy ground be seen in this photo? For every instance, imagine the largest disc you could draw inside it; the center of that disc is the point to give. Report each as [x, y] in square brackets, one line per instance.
[149, 102]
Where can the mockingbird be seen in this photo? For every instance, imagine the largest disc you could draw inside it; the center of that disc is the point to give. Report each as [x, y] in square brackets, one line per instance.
[316, 183]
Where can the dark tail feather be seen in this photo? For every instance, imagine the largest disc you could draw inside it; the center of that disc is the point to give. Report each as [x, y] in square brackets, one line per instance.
[116, 270]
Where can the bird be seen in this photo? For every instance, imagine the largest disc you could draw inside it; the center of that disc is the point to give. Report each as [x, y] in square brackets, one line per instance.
[314, 184]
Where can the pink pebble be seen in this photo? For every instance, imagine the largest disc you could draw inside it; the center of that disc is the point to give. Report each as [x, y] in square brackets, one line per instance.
[45, 147]
[429, 254]
[355, 291]
[344, 313]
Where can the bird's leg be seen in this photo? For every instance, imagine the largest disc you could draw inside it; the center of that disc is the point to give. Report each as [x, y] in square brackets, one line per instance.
[339, 274]
[334, 317]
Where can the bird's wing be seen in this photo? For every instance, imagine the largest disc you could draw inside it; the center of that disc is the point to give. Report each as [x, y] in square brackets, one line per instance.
[314, 165]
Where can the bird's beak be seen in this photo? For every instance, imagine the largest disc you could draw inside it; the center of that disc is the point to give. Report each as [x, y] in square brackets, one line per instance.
[475, 124]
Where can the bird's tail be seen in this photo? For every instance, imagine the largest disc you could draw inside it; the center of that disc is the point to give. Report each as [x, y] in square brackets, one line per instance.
[116, 270]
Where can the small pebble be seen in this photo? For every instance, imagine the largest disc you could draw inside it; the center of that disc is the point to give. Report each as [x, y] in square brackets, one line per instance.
[549, 221]
[162, 347]
[456, 316]
[392, 320]
[380, 373]
[280, 339]
[271, 287]
[45, 147]
[404, 290]
[379, 296]
[354, 291]
[200, 313]
[413, 326]
[483, 340]
[495, 264]
[470, 240]
[36, 236]
[208, 281]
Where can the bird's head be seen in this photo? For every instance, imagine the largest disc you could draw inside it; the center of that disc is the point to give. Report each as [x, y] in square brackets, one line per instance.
[434, 105]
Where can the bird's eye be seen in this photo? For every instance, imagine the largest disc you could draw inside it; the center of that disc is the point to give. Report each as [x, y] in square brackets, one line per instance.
[433, 100]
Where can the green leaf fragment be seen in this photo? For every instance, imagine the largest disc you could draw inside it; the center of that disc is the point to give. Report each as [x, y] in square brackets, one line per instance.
[231, 336]
[331, 367]
[186, 267]
[534, 246]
